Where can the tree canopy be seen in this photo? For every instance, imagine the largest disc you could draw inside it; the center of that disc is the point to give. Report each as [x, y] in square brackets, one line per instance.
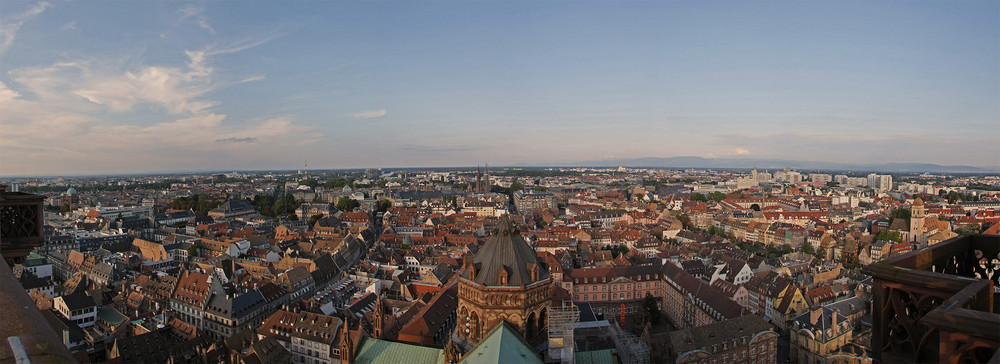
[889, 235]
[199, 203]
[347, 204]
[311, 182]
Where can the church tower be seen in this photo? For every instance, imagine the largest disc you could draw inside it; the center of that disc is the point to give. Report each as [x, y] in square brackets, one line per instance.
[917, 222]
[505, 281]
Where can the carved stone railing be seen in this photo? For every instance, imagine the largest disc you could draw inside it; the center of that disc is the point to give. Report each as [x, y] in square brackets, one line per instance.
[938, 304]
[21, 224]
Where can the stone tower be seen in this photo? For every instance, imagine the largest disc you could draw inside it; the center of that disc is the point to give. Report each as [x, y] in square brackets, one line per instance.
[917, 222]
[505, 281]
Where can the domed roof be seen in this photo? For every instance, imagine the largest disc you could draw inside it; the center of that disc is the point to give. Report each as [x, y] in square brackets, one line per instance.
[347, 188]
[507, 251]
[71, 191]
[918, 202]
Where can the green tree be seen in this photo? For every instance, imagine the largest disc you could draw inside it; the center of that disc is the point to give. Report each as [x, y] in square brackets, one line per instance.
[889, 235]
[820, 254]
[516, 185]
[786, 248]
[652, 310]
[716, 196]
[314, 218]
[972, 228]
[697, 196]
[685, 221]
[347, 204]
[193, 250]
[616, 250]
[311, 182]
[649, 312]
[285, 205]
[900, 213]
[336, 182]
[384, 205]
[264, 204]
[807, 248]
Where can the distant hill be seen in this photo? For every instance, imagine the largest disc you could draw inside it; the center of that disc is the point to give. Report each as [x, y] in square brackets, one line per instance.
[718, 163]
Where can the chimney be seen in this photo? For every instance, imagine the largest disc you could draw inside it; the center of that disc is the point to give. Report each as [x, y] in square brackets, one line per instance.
[815, 315]
[833, 319]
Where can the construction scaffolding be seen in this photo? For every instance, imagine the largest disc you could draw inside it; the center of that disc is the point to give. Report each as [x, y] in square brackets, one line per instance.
[631, 350]
[561, 323]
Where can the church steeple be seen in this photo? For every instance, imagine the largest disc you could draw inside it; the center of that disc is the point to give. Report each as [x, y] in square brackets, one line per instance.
[377, 317]
[346, 346]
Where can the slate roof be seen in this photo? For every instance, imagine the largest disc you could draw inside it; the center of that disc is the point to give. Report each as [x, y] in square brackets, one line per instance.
[703, 291]
[236, 306]
[822, 321]
[235, 205]
[702, 337]
[306, 325]
[506, 250]
[431, 317]
[78, 301]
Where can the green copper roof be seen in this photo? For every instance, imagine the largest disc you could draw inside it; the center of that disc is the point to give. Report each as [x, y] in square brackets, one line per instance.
[606, 356]
[382, 351]
[502, 344]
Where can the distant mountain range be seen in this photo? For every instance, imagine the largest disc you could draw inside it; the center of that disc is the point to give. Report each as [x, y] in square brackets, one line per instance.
[772, 164]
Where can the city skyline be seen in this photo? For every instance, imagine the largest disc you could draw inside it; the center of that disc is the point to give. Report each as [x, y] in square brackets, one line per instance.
[110, 87]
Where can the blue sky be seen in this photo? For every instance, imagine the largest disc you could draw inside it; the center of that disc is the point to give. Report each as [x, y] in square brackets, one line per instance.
[114, 86]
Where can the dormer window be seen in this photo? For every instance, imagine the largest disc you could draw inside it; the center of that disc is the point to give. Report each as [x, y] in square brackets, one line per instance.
[503, 277]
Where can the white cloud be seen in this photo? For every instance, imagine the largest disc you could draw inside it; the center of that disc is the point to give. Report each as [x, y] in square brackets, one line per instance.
[70, 26]
[55, 118]
[741, 151]
[6, 94]
[13, 23]
[369, 114]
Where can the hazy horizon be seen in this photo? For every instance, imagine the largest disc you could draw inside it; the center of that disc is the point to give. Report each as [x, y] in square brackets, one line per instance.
[133, 87]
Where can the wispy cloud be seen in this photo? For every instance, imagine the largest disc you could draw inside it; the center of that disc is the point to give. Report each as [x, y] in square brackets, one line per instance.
[741, 151]
[70, 26]
[369, 114]
[11, 24]
[196, 13]
[236, 140]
